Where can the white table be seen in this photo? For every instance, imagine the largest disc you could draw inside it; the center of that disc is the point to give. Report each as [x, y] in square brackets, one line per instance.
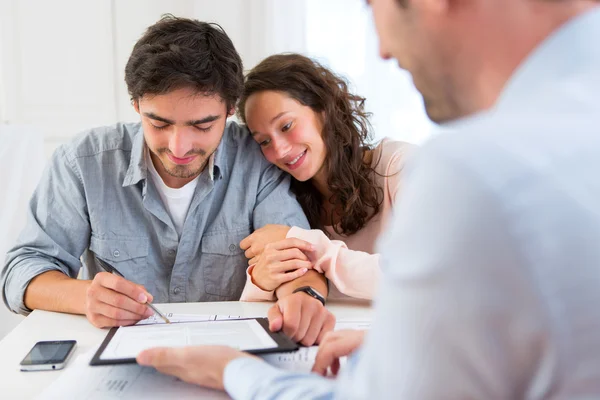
[44, 325]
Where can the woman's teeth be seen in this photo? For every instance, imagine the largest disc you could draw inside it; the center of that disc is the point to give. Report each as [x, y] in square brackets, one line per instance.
[295, 160]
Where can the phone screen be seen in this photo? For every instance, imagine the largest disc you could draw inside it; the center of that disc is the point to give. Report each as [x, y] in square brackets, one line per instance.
[54, 352]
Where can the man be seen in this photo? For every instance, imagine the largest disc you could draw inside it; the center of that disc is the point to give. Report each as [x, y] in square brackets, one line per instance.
[166, 201]
[491, 280]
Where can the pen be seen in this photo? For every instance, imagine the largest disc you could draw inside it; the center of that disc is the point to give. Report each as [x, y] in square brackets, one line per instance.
[109, 268]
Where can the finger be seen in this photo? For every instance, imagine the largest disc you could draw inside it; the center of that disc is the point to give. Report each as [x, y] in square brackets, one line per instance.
[287, 254]
[249, 253]
[119, 314]
[307, 314]
[291, 265]
[327, 327]
[314, 329]
[253, 260]
[101, 321]
[158, 357]
[275, 318]
[246, 242]
[291, 318]
[291, 243]
[290, 276]
[335, 366]
[123, 286]
[120, 301]
[324, 359]
[150, 297]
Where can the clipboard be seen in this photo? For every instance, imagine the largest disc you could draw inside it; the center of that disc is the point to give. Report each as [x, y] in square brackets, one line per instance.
[282, 343]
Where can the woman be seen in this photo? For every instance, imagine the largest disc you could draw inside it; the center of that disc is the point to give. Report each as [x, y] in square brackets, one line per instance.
[309, 125]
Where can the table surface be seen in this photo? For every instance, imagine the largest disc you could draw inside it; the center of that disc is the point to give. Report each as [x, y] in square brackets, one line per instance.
[44, 325]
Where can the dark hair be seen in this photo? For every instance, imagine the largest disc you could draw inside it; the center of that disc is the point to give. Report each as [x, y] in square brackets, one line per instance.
[178, 52]
[346, 133]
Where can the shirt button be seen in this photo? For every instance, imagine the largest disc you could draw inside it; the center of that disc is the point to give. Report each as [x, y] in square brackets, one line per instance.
[171, 252]
[177, 290]
[116, 253]
[232, 247]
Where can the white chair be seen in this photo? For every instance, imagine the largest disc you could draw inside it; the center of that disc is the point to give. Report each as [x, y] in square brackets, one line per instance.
[23, 160]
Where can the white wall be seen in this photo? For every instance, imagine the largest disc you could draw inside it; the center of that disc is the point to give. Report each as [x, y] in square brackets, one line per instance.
[62, 69]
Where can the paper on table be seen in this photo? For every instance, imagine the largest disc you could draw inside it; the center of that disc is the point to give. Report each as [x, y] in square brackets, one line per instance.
[80, 381]
[129, 341]
[303, 359]
[173, 317]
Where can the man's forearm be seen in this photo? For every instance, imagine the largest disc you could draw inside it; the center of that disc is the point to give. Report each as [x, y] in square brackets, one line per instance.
[312, 278]
[54, 291]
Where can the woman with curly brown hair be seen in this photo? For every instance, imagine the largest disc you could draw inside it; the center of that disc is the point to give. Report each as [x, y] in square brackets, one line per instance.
[309, 124]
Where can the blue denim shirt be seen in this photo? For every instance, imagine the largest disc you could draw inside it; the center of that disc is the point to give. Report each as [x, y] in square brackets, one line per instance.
[95, 199]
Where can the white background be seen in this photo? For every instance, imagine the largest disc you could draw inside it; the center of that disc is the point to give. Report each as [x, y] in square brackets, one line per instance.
[62, 63]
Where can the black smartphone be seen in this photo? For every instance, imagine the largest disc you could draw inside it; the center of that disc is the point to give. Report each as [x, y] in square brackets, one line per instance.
[48, 355]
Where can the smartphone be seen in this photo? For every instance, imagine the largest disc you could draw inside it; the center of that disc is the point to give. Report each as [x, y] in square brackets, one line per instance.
[48, 355]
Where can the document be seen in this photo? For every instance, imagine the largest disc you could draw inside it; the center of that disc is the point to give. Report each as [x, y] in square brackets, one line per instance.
[303, 359]
[80, 381]
[245, 335]
[173, 317]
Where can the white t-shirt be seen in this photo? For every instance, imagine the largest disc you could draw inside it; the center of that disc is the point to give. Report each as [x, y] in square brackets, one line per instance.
[176, 201]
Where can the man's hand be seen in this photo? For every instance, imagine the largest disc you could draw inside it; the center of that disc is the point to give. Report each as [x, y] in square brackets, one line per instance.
[201, 365]
[334, 346]
[281, 262]
[255, 243]
[115, 301]
[302, 318]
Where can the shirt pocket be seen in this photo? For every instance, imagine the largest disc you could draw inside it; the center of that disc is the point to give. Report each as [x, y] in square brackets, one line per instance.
[128, 256]
[224, 264]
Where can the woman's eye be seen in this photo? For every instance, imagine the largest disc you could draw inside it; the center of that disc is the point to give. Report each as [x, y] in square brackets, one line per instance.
[265, 142]
[286, 127]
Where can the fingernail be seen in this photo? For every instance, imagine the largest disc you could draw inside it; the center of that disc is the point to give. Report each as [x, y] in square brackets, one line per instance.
[304, 270]
[142, 298]
[149, 297]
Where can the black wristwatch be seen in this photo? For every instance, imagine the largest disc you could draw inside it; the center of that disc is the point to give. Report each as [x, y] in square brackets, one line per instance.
[311, 292]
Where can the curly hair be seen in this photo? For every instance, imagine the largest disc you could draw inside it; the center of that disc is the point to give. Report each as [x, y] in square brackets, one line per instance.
[346, 133]
[180, 52]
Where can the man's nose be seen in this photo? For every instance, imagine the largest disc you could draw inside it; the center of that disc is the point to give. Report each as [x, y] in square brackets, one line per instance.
[180, 142]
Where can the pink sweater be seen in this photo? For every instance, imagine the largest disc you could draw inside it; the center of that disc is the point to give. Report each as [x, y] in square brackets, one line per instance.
[350, 262]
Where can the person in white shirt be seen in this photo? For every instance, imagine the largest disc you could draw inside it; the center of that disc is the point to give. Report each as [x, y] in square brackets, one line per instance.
[490, 282]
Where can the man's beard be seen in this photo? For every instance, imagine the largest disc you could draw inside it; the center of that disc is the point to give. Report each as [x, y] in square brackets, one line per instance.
[185, 171]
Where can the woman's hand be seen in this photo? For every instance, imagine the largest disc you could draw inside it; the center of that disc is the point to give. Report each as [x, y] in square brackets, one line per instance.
[281, 262]
[255, 243]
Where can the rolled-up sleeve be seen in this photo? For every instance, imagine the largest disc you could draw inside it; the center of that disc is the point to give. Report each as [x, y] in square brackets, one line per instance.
[57, 231]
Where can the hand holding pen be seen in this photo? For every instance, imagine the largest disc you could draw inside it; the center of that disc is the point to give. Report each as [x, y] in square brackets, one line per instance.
[112, 300]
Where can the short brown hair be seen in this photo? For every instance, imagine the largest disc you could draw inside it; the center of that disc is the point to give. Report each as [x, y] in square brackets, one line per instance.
[180, 52]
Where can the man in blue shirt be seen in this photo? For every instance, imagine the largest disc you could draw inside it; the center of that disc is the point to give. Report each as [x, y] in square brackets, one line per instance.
[490, 282]
[165, 201]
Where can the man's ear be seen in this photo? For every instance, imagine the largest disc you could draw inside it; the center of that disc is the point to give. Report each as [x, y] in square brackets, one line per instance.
[136, 105]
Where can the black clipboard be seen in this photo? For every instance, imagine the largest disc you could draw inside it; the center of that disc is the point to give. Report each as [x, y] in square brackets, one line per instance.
[284, 343]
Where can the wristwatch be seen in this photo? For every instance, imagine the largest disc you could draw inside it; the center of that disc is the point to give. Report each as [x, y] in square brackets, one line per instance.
[311, 292]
